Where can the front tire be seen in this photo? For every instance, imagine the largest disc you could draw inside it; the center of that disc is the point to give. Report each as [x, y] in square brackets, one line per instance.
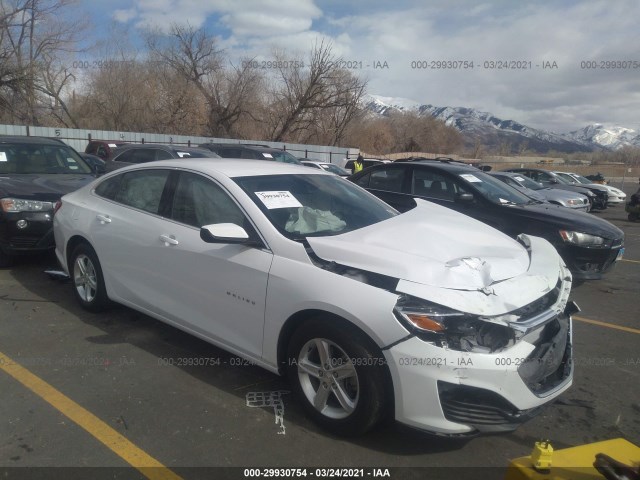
[339, 375]
[88, 282]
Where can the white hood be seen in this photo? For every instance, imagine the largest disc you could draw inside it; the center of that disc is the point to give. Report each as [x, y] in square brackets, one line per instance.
[433, 250]
[432, 245]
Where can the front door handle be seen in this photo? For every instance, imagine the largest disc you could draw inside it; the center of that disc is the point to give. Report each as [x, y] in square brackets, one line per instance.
[103, 219]
[169, 240]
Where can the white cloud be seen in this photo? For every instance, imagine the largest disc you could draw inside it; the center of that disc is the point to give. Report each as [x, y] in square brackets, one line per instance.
[562, 31]
[125, 16]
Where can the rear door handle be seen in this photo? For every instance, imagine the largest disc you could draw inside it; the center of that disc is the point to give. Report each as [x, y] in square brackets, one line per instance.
[103, 219]
[169, 240]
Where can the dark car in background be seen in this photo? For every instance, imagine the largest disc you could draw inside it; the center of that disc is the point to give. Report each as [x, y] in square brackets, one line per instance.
[552, 180]
[97, 164]
[366, 163]
[250, 151]
[34, 173]
[326, 166]
[537, 191]
[103, 148]
[589, 245]
[132, 154]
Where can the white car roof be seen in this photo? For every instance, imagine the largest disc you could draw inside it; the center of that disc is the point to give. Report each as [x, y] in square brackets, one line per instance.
[233, 167]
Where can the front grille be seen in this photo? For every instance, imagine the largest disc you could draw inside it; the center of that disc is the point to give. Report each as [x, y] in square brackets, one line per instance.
[484, 410]
[538, 306]
[24, 242]
[549, 365]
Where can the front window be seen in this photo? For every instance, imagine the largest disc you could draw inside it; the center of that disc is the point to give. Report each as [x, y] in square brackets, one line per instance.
[566, 177]
[314, 205]
[17, 158]
[581, 179]
[141, 189]
[198, 201]
[493, 189]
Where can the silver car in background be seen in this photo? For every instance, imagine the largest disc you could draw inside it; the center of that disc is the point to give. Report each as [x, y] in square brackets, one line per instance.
[616, 196]
[535, 190]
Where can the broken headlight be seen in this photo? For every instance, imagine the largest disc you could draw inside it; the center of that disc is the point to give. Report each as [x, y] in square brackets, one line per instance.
[450, 328]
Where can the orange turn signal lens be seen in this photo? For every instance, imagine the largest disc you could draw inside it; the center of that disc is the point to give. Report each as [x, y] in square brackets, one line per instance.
[424, 322]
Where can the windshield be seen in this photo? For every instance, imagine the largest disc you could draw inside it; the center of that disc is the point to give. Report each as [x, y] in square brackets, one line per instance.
[304, 205]
[330, 167]
[32, 158]
[494, 190]
[285, 157]
[566, 177]
[581, 179]
[527, 182]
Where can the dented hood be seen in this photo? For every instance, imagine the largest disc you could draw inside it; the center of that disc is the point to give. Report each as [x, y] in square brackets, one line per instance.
[429, 245]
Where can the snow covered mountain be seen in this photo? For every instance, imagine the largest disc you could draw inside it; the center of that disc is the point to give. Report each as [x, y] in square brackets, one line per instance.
[495, 132]
[612, 137]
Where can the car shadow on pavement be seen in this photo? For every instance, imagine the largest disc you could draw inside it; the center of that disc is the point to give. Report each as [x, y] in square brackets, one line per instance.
[235, 376]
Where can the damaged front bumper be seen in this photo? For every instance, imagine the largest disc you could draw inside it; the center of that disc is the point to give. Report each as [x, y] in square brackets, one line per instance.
[454, 392]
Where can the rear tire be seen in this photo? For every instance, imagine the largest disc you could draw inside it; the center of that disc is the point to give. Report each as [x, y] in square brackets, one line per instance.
[87, 278]
[339, 376]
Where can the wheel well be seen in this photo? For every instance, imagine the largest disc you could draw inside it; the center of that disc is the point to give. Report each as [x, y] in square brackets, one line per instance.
[71, 245]
[297, 319]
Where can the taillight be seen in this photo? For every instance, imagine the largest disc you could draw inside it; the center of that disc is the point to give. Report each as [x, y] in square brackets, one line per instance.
[57, 206]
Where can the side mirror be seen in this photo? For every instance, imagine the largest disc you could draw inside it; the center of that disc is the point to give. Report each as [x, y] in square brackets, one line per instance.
[225, 233]
[465, 198]
[99, 169]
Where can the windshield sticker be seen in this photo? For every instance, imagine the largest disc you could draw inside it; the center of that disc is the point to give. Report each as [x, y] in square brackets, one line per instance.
[267, 155]
[502, 200]
[470, 178]
[3, 157]
[520, 179]
[183, 154]
[281, 199]
[112, 145]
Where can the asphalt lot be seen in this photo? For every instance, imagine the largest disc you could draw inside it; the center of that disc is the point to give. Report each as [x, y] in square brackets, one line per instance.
[183, 402]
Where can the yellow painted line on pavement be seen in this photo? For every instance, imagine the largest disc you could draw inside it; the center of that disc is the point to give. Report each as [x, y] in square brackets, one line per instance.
[605, 324]
[134, 456]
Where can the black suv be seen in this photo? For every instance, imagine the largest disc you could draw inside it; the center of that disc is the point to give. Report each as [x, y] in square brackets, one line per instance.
[34, 173]
[589, 245]
[250, 151]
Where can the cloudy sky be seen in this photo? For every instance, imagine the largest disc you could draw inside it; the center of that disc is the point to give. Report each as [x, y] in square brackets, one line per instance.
[403, 35]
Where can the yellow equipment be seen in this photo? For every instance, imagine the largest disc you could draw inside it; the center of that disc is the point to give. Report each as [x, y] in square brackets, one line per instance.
[574, 463]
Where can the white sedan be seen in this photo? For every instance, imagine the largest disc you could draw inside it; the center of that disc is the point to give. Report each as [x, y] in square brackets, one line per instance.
[616, 196]
[429, 316]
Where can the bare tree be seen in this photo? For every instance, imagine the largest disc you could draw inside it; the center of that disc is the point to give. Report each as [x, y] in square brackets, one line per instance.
[36, 36]
[193, 54]
[303, 91]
